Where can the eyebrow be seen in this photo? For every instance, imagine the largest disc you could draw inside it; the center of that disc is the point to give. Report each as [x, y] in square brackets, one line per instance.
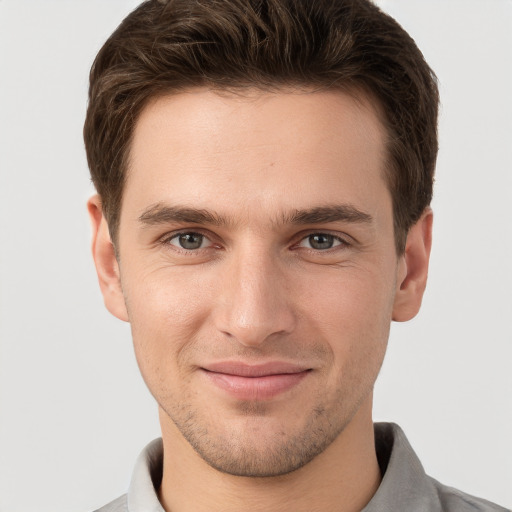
[165, 214]
[326, 214]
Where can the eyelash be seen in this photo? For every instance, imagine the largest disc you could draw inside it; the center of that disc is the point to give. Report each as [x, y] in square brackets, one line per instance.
[339, 242]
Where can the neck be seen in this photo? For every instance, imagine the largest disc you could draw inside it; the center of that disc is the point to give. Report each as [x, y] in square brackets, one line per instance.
[343, 478]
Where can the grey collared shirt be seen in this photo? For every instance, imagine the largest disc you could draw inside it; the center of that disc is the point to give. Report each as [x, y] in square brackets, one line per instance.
[404, 488]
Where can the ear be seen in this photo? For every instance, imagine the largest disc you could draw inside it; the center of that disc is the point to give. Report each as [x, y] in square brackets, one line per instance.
[104, 256]
[413, 269]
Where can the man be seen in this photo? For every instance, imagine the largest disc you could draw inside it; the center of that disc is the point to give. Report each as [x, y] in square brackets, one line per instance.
[264, 172]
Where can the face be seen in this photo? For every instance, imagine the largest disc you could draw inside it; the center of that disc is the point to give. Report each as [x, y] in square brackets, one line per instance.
[258, 270]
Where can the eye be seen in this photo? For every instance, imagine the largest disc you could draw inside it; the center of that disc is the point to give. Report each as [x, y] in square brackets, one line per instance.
[321, 241]
[189, 241]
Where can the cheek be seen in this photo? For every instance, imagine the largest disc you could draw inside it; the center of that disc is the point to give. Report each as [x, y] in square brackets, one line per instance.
[166, 310]
[166, 298]
[353, 314]
[353, 301]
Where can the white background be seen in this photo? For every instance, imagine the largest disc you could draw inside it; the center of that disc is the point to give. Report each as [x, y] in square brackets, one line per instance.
[74, 411]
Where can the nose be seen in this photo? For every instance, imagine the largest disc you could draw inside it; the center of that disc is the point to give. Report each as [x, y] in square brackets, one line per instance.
[255, 301]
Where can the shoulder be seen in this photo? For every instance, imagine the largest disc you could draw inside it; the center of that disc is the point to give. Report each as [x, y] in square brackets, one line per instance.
[406, 486]
[118, 505]
[453, 500]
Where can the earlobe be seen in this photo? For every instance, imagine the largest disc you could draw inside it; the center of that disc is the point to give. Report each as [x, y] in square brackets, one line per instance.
[104, 256]
[413, 269]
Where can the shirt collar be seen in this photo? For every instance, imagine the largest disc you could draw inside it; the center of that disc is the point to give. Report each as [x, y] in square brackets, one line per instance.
[146, 479]
[404, 486]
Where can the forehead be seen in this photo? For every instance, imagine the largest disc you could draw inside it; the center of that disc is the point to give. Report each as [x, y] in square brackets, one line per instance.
[258, 150]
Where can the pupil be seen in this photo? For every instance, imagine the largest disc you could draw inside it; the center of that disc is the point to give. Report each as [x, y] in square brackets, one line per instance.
[191, 240]
[321, 241]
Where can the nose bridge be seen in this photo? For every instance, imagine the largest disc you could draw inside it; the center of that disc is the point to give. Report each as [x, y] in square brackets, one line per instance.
[255, 302]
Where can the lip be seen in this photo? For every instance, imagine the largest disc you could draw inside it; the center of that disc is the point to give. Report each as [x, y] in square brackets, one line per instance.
[254, 382]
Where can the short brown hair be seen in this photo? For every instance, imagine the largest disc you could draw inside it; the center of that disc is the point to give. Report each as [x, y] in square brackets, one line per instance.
[165, 46]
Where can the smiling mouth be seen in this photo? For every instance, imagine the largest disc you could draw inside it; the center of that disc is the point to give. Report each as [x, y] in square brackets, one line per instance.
[254, 382]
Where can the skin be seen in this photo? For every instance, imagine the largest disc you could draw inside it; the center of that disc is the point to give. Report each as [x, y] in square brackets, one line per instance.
[258, 287]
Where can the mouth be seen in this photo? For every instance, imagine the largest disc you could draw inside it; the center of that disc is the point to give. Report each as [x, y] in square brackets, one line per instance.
[254, 382]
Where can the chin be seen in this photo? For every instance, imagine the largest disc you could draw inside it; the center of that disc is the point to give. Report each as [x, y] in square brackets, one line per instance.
[258, 445]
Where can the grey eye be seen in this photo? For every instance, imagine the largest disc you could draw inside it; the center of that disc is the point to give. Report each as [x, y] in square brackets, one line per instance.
[188, 241]
[320, 241]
